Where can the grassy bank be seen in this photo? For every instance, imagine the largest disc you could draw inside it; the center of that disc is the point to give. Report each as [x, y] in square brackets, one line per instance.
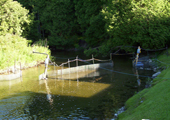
[15, 48]
[151, 103]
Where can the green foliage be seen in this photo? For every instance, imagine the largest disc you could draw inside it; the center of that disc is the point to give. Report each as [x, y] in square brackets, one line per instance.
[105, 23]
[60, 21]
[14, 47]
[54, 20]
[29, 42]
[91, 21]
[31, 31]
[14, 23]
[40, 43]
[13, 18]
[91, 51]
[131, 22]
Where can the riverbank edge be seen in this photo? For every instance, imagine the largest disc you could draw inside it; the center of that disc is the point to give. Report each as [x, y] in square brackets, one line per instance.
[151, 103]
[22, 67]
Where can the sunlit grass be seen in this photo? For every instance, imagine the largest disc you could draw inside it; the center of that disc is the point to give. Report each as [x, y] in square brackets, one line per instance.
[151, 103]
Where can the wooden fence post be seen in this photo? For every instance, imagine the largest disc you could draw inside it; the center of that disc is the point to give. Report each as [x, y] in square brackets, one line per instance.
[77, 62]
[69, 66]
[61, 72]
[93, 59]
[77, 67]
[68, 63]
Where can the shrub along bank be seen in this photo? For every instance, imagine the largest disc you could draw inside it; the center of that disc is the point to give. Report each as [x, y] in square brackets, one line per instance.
[15, 48]
[151, 103]
[14, 24]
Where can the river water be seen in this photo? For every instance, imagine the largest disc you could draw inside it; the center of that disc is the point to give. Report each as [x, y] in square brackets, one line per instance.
[86, 95]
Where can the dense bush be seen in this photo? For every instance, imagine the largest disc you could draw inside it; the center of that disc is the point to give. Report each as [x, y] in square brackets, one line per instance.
[14, 20]
[138, 22]
[14, 47]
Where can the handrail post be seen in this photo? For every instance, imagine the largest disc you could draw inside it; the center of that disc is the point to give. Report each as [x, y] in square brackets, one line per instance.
[40, 53]
[93, 61]
[46, 64]
[77, 62]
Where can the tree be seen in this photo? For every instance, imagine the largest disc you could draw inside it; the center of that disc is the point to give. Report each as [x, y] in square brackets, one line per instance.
[142, 22]
[59, 21]
[54, 20]
[64, 23]
[14, 18]
[91, 21]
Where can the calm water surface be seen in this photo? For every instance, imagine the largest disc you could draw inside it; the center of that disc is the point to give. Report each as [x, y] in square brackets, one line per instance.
[86, 95]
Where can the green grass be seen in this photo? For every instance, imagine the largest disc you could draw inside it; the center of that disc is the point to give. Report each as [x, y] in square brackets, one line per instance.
[13, 47]
[151, 103]
[165, 56]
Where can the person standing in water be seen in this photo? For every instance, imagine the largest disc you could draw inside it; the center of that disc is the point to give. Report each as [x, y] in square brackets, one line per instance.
[138, 52]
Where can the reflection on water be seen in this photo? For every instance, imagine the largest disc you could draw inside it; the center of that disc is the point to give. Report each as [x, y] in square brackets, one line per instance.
[49, 97]
[90, 94]
[138, 80]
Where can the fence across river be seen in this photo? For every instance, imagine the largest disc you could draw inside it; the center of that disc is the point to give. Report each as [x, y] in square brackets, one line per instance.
[81, 68]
